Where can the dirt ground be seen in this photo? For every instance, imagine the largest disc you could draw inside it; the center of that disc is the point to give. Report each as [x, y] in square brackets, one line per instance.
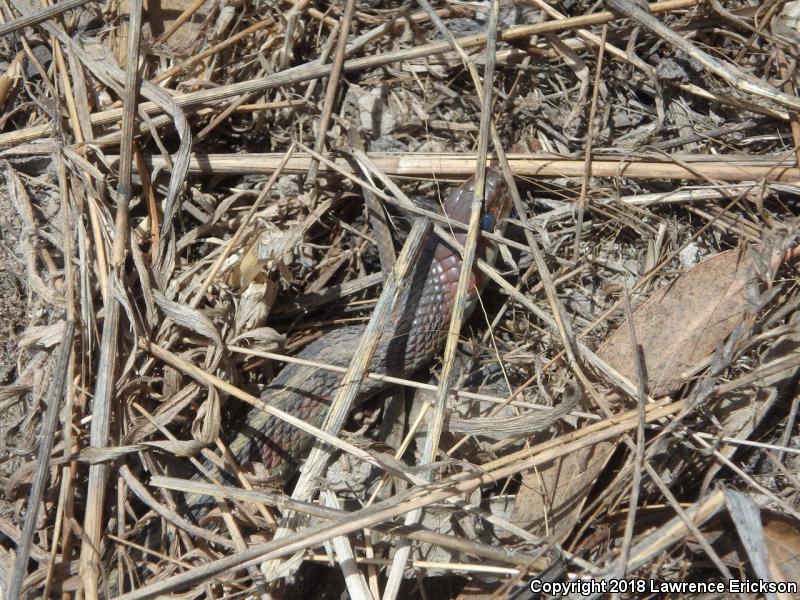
[12, 288]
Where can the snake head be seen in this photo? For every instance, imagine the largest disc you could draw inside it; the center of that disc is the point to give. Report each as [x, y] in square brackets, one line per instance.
[496, 200]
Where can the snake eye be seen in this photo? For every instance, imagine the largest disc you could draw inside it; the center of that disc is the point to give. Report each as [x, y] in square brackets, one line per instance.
[488, 222]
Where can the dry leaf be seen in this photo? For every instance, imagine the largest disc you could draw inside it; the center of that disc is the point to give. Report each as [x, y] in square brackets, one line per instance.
[162, 16]
[782, 539]
[189, 318]
[682, 323]
[678, 327]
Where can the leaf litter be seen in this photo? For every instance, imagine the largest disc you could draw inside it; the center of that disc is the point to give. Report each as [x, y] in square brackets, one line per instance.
[681, 413]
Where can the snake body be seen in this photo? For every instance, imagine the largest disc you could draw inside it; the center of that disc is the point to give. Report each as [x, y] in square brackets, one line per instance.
[413, 337]
[411, 340]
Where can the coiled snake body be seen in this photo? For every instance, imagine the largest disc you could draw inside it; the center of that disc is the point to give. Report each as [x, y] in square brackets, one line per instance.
[413, 337]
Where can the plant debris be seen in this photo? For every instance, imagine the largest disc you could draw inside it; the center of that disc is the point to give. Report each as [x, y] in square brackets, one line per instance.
[194, 192]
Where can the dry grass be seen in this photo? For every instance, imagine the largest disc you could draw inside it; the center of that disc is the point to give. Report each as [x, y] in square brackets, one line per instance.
[199, 195]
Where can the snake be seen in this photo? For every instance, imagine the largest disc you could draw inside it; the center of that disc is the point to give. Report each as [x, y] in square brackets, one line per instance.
[413, 338]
